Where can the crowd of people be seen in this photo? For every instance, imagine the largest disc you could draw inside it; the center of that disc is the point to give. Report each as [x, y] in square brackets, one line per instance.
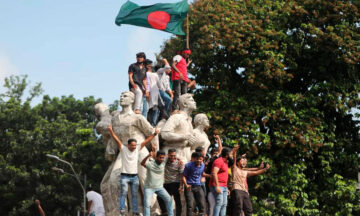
[157, 92]
[167, 176]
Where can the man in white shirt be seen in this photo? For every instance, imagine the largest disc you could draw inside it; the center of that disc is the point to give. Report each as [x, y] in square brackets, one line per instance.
[95, 203]
[129, 169]
[165, 90]
[153, 88]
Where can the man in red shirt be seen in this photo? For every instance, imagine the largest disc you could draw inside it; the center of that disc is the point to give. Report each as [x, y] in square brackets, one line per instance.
[219, 180]
[179, 75]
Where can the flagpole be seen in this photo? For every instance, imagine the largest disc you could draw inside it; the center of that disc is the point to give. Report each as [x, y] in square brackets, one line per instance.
[187, 30]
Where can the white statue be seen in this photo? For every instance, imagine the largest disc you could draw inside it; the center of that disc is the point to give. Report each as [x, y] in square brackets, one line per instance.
[201, 122]
[178, 130]
[126, 124]
[102, 113]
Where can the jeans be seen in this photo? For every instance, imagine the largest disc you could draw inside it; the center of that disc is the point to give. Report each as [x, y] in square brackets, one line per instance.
[203, 186]
[154, 115]
[163, 194]
[211, 200]
[125, 180]
[138, 97]
[220, 201]
[197, 194]
[240, 201]
[144, 109]
[180, 88]
[173, 190]
[167, 100]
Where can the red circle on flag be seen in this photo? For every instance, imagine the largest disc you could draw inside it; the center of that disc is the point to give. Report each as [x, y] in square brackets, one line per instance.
[158, 19]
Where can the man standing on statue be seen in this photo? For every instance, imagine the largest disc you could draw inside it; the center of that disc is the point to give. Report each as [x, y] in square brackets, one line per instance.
[239, 197]
[173, 170]
[155, 180]
[218, 182]
[137, 80]
[129, 171]
[179, 75]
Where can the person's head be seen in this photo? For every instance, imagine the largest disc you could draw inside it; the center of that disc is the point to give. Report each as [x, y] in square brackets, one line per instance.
[160, 156]
[132, 143]
[214, 152]
[172, 155]
[100, 108]
[201, 120]
[186, 53]
[186, 101]
[167, 69]
[225, 153]
[88, 188]
[197, 158]
[148, 64]
[241, 162]
[200, 150]
[140, 57]
[127, 98]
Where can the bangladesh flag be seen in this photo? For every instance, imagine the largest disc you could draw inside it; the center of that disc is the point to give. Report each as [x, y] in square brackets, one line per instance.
[162, 16]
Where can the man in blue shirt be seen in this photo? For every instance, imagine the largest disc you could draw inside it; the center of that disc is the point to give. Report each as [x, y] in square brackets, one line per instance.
[192, 174]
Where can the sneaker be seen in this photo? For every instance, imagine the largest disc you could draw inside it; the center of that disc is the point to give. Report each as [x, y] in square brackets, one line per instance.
[122, 213]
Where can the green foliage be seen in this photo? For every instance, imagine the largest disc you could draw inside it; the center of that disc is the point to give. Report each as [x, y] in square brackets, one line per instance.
[59, 126]
[281, 78]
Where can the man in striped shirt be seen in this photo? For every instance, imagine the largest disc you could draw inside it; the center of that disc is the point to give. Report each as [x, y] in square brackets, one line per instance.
[173, 170]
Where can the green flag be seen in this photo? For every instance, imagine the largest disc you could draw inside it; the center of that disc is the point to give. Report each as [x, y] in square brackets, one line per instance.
[162, 16]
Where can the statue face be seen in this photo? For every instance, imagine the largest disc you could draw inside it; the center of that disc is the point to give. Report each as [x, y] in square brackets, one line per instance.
[126, 99]
[100, 108]
[191, 104]
[205, 122]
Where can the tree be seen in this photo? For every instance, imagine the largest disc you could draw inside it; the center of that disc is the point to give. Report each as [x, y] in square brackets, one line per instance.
[281, 78]
[60, 126]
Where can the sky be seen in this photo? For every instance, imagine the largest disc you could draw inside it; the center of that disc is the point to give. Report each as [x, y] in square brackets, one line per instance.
[73, 47]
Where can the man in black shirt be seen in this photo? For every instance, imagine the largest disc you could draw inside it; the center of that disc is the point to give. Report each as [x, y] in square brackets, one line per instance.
[137, 80]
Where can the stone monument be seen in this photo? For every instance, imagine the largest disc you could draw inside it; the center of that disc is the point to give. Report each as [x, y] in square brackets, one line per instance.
[178, 130]
[126, 124]
[102, 113]
[201, 122]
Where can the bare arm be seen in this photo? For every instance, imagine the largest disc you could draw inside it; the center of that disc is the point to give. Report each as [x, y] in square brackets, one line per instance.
[170, 93]
[255, 168]
[206, 175]
[89, 207]
[146, 88]
[258, 172]
[189, 62]
[115, 137]
[214, 175]
[149, 138]
[234, 158]
[234, 150]
[143, 162]
[174, 66]
[218, 140]
[131, 74]
[165, 61]
[41, 211]
[187, 186]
